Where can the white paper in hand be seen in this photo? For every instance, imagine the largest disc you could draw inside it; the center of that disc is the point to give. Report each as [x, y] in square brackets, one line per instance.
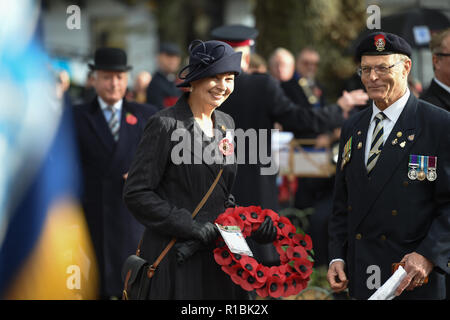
[234, 239]
[387, 290]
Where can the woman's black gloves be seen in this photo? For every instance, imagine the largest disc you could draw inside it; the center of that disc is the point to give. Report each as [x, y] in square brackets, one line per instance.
[186, 249]
[266, 233]
[205, 232]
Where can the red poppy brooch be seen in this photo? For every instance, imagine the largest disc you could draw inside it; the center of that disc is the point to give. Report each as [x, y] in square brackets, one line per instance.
[293, 273]
[130, 119]
[226, 146]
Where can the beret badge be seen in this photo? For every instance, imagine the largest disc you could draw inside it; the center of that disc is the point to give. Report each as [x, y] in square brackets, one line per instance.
[380, 42]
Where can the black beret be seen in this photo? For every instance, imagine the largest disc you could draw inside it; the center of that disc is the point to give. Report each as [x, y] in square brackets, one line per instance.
[382, 43]
[234, 34]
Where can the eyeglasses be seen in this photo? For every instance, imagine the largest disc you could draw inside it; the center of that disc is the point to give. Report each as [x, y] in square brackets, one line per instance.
[379, 70]
[442, 54]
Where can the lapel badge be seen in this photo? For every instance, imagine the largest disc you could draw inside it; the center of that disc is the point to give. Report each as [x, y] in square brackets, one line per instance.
[402, 144]
[411, 137]
[399, 134]
[394, 142]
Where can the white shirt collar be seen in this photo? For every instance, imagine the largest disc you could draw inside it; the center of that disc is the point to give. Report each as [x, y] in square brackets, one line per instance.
[394, 110]
[444, 86]
[104, 105]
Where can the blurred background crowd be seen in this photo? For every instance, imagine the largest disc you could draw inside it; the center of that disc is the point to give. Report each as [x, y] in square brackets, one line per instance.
[308, 44]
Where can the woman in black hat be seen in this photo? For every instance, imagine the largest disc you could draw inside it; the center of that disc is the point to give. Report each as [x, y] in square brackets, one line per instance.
[172, 172]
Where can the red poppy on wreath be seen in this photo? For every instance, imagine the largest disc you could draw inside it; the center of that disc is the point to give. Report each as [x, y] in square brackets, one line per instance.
[293, 273]
[130, 119]
[226, 147]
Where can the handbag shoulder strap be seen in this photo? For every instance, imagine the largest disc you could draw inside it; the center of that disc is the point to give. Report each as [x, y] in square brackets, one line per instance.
[158, 260]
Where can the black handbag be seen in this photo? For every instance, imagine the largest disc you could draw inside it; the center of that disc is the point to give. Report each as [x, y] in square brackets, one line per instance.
[137, 272]
[134, 274]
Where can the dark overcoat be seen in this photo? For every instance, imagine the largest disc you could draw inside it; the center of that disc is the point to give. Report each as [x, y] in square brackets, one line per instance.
[162, 92]
[114, 231]
[162, 192]
[437, 95]
[377, 220]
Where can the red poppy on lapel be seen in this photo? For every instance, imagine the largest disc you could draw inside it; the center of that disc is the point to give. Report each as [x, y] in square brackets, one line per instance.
[131, 119]
[226, 147]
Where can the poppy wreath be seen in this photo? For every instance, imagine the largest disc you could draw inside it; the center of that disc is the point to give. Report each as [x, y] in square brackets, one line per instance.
[293, 273]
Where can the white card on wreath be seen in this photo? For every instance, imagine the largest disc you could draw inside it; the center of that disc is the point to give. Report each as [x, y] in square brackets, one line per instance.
[234, 239]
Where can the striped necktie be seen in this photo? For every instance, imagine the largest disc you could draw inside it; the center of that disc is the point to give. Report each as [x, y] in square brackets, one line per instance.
[377, 142]
[114, 123]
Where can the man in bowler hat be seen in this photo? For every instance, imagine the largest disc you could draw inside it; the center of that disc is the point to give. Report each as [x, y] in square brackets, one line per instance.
[108, 131]
[162, 91]
[392, 190]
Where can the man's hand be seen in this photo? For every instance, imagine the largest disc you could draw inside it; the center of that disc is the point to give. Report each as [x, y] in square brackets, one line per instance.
[336, 277]
[417, 268]
[349, 100]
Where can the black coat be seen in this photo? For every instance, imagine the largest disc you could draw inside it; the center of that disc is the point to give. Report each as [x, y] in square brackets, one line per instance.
[114, 231]
[162, 92]
[258, 101]
[377, 220]
[162, 195]
[437, 95]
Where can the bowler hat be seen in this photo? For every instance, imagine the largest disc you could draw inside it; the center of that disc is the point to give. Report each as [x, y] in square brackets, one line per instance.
[110, 59]
[209, 58]
[382, 43]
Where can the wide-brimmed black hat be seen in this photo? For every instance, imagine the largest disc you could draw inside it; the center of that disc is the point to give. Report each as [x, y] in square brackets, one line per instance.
[209, 58]
[110, 59]
[382, 43]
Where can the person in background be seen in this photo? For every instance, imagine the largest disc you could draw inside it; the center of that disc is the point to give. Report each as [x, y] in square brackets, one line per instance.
[257, 64]
[139, 92]
[415, 86]
[438, 93]
[282, 64]
[108, 129]
[162, 91]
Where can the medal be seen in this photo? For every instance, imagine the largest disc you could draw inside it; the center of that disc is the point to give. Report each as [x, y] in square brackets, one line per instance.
[413, 165]
[422, 173]
[431, 174]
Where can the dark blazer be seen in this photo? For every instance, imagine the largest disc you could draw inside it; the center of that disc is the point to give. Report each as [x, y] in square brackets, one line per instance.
[114, 231]
[437, 95]
[258, 101]
[162, 194]
[376, 220]
[162, 92]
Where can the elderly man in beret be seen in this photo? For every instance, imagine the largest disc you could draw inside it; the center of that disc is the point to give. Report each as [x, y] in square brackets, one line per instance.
[108, 131]
[392, 191]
